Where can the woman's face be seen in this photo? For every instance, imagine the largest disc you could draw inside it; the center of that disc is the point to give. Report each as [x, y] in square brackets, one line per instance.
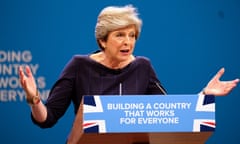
[120, 43]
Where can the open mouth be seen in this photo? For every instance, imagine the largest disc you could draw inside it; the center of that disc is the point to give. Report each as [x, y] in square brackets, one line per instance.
[124, 51]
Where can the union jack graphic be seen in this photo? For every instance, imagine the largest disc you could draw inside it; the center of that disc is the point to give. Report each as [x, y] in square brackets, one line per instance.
[94, 126]
[205, 104]
[92, 104]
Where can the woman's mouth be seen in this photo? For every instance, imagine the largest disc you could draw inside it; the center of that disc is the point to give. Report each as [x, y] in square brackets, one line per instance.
[125, 51]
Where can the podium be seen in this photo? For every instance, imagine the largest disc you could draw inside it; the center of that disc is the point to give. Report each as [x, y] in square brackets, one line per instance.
[144, 119]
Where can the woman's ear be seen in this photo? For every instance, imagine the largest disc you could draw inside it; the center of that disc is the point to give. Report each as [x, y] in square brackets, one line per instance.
[102, 43]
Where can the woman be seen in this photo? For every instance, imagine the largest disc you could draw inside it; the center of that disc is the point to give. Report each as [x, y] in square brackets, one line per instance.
[113, 70]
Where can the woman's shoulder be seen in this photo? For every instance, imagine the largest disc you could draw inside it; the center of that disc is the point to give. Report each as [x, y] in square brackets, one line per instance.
[142, 60]
[78, 58]
[83, 57]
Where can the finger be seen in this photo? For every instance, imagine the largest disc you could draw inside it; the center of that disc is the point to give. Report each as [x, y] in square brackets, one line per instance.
[24, 83]
[219, 74]
[21, 75]
[20, 71]
[28, 71]
[233, 82]
[228, 90]
[230, 85]
[236, 80]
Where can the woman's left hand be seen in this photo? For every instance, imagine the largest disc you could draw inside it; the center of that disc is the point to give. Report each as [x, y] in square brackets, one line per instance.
[220, 88]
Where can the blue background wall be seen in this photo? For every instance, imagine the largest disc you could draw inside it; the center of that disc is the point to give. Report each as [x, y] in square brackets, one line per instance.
[187, 41]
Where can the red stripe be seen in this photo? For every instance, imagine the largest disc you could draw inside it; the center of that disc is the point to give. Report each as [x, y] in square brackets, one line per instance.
[210, 123]
[87, 124]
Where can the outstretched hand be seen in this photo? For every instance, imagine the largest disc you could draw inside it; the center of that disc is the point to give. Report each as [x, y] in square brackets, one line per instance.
[220, 88]
[27, 81]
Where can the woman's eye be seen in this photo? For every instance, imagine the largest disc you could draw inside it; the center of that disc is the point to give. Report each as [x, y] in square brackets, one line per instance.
[132, 35]
[119, 34]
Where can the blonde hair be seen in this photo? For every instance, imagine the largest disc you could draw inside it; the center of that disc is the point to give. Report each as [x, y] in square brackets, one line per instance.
[112, 18]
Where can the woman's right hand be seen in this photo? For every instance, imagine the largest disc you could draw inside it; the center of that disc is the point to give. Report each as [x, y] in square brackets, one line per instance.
[27, 81]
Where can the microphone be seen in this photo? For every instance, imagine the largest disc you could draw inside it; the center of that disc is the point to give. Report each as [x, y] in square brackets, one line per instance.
[161, 89]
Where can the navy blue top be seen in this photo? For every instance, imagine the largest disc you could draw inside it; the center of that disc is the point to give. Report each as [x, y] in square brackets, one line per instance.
[84, 76]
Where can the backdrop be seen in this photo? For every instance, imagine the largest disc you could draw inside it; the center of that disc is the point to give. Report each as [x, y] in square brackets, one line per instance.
[187, 41]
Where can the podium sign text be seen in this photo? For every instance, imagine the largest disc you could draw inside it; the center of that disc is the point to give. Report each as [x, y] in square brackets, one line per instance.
[148, 113]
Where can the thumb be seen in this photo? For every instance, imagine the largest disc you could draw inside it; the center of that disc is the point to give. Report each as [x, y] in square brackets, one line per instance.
[219, 74]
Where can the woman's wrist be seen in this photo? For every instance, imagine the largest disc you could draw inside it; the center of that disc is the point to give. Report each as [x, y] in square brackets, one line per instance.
[33, 100]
